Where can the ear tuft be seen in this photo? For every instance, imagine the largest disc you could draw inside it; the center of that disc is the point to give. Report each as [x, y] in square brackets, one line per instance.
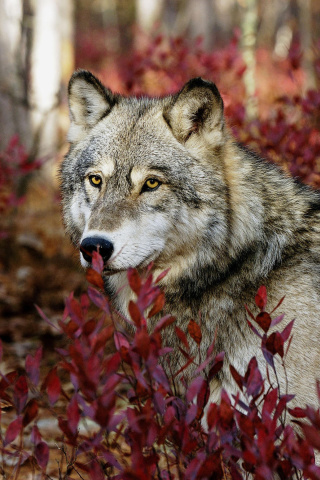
[197, 110]
[89, 102]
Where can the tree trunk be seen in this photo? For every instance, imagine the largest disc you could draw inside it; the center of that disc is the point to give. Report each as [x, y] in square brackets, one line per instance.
[305, 23]
[33, 33]
[248, 44]
[148, 12]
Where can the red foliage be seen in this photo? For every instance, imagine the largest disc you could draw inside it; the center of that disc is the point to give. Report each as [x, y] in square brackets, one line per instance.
[143, 429]
[15, 165]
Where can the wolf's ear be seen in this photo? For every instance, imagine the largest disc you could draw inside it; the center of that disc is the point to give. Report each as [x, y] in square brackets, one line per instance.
[89, 102]
[195, 114]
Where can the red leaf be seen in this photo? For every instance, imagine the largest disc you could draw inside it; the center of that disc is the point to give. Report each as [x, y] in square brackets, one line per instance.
[35, 435]
[160, 376]
[191, 413]
[97, 263]
[158, 305]
[286, 332]
[246, 425]
[269, 404]
[112, 363]
[217, 365]
[249, 312]
[13, 430]
[69, 328]
[164, 322]
[226, 412]
[237, 377]
[135, 313]
[99, 299]
[89, 327]
[277, 320]
[253, 378]
[20, 393]
[312, 434]
[45, 318]
[182, 337]
[74, 310]
[297, 412]
[212, 415]
[162, 275]
[203, 365]
[274, 344]
[194, 388]
[186, 365]
[255, 331]
[33, 366]
[64, 427]
[52, 385]
[102, 338]
[278, 305]
[41, 453]
[73, 415]
[7, 381]
[95, 278]
[261, 297]
[142, 343]
[31, 412]
[134, 280]
[84, 303]
[96, 473]
[203, 396]
[264, 320]
[195, 331]
[120, 341]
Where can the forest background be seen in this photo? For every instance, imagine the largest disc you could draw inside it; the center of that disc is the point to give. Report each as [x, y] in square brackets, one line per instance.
[264, 56]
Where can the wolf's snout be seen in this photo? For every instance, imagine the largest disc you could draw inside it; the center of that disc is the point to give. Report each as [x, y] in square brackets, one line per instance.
[90, 244]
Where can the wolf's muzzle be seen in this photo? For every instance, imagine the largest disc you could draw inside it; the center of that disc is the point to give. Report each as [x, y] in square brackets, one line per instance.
[101, 245]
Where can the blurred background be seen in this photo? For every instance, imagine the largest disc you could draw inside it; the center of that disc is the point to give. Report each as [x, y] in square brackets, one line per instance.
[264, 56]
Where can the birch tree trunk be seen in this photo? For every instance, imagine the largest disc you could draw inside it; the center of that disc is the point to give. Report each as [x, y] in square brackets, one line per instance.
[248, 45]
[32, 34]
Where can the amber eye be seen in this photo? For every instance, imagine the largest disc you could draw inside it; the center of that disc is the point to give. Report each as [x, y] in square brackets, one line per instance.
[95, 180]
[151, 184]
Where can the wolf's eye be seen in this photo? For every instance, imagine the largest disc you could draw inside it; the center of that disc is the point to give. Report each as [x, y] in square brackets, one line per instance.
[95, 180]
[151, 184]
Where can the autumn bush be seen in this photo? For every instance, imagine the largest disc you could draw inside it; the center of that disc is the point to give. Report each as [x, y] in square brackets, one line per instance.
[15, 166]
[123, 418]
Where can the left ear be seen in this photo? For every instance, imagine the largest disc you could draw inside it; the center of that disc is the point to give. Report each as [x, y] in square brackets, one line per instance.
[196, 112]
[89, 102]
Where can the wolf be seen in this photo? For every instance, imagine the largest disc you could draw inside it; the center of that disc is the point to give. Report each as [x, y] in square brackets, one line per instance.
[162, 180]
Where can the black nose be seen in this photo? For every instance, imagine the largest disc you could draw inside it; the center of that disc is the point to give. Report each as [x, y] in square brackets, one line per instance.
[90, 244]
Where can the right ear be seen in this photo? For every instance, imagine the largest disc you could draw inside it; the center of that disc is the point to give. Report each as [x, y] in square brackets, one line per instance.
[89, 102]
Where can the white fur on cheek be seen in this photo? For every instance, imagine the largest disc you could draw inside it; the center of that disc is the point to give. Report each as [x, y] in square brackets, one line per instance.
[80, 213]
[138, 244]
[135, 243]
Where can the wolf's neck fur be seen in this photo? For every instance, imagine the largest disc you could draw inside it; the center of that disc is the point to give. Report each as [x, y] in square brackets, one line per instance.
[265, 229]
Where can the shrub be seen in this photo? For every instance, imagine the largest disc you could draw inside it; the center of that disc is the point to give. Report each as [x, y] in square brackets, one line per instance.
[123, 419]
[15, 166]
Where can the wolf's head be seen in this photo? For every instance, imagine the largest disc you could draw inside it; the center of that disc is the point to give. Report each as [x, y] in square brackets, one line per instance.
[143, 180]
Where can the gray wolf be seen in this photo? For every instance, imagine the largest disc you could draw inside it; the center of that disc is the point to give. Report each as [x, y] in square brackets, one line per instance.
[163, 181]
